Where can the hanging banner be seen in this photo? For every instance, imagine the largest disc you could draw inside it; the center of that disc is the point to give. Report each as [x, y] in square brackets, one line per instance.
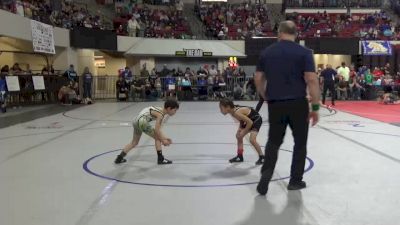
[12, 83]
[377, 48]
[38, 83]
[42, 37]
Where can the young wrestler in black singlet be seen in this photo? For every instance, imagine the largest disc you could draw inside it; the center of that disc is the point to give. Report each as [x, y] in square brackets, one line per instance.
[250, 122]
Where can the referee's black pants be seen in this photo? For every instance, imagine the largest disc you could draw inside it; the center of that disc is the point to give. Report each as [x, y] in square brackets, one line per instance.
[281, 114]
[331, 88]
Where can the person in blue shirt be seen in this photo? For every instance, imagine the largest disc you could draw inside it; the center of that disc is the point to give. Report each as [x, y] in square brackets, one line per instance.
[127, 75]
[87, 85]
[284, 73]
[362, 70]
[71, 74]
[328, 76]
[3, 94]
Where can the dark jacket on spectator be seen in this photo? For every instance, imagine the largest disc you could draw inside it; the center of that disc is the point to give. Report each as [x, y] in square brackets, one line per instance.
[71, 75]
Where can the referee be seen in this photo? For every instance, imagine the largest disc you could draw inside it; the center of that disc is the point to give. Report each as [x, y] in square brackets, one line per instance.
[284, 72]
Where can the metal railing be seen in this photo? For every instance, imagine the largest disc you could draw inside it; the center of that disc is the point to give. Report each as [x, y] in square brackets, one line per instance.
[27, 95]
[104, 87]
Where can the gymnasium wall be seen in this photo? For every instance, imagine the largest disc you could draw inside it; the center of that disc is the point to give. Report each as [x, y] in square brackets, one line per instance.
[334, 60]
[19, 27]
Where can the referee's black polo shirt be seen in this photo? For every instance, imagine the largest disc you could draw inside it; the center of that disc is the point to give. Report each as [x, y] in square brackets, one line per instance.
[284, 64]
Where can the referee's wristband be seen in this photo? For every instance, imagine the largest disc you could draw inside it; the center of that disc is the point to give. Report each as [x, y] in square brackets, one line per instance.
[315, 107]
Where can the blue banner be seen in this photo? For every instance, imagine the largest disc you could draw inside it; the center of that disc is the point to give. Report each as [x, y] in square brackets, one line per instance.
[377, 48]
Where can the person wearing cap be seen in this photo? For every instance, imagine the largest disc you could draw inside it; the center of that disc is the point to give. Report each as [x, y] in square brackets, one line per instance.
[284, 73]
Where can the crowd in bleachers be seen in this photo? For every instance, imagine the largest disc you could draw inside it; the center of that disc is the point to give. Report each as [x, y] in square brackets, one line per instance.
[132, 20]
[142, 21]
[365, 26]
[71, 15]
[237, 21]
[37, 10]
[222, 21]
[333, 3]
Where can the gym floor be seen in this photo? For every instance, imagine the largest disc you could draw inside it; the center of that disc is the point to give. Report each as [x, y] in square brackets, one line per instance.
[58, 170]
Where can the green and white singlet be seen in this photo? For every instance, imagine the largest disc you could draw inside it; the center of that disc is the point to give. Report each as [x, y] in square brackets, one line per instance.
[141, 124]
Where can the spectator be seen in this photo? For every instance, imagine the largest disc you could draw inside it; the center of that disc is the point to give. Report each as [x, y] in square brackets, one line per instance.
[202, 72]
[120, 30]
[158, 87]
[237, 92]
[127, 75]
[344, 71]
[368, 77]
[187, 89]
[211, 80]
[5, 70]
[328, 78]
[153, 72]
[362, 70]
[221, 35]
[173, 73]
[45, 71]
[28, 69]
[219, 83]
[67, 94]
[342, 88]
[250, 88]
[213, 71]
[122, 89]
[3, 94]
[52, 70]
[242, 74]
[87, 86]
[377, 73]
[179, 73]
[188, 73]
[144, 73]
[356, 88]
[133, 27]
[387, 69]
[170, 86]
[15, 69]
[377, 82]
[165, 71]
[139, 88]
[71, 74]
[179, 6]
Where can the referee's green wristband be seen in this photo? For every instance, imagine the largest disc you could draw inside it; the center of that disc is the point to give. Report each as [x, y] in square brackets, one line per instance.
[315, 107]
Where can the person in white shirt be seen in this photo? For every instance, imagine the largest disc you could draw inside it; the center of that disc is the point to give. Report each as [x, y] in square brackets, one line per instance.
[213, 71]
[133, 26]
[221, 35]
[344, 71]
[179, 6]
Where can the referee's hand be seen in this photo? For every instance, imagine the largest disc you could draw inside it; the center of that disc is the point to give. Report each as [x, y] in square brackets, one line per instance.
[314, 117]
